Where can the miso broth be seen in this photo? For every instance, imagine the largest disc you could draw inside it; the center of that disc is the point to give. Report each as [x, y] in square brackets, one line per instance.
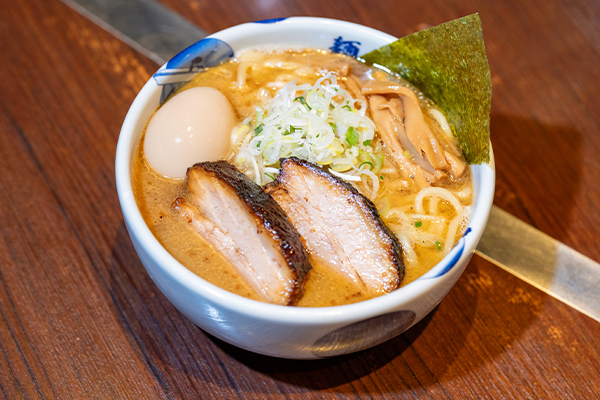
[263, 75]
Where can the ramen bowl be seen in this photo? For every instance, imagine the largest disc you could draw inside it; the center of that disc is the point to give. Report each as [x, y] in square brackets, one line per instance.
[283, 331]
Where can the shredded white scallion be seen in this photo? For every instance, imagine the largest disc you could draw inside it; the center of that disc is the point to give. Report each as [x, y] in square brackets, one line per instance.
[320, 123]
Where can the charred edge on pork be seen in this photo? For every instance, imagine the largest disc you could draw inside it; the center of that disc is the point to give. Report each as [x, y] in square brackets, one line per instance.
[395, 250]
[273, 218]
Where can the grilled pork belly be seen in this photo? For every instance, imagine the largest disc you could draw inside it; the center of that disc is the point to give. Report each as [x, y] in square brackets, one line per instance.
[340, 228]
[248, 228]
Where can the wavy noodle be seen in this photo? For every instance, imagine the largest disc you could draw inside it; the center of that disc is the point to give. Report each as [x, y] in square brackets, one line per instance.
[395, 213]
[374, 180]
[434, 230]
[438, 192]
[425, 217]
[410, 256]
[433, 205]
[451, 236]
[446, 195]
[463, 193]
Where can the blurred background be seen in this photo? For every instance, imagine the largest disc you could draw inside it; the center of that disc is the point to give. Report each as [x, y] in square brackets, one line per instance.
[80, 318]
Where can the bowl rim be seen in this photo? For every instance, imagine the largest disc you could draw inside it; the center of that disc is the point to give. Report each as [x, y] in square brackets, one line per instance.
[265, 311]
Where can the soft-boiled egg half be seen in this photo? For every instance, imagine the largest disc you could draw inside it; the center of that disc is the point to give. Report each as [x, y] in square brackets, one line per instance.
[193, 126]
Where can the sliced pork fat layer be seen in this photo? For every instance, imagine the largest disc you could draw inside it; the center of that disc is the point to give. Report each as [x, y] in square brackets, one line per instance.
[248, 228]
[340, 228]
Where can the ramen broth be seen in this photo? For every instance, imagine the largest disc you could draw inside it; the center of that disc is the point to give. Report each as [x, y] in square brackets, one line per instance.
[395, 199]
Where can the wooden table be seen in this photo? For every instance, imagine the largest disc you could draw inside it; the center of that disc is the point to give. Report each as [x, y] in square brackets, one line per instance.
[80, 318]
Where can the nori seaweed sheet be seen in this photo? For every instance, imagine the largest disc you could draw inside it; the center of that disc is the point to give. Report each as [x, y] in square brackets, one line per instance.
[448, 64]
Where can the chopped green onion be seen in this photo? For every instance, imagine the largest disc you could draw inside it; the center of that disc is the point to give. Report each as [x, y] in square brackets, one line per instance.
[351, 136]
[381, 177]
[418, 224]
[381, 162]
[258, 129]
[258, 144]
[289, 131]
[333, 126]
[270, 176]
[303, 102]
[438, 245]
[347, 107]
[367, 162]
[367, 142]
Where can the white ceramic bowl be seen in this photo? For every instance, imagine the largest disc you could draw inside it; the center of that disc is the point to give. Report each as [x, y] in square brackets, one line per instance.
[289, 332]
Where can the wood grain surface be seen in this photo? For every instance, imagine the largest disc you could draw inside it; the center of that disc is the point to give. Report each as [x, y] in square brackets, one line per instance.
[80, 318]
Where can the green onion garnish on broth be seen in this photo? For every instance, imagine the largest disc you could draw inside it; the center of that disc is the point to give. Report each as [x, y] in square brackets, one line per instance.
[303, 101]
[368, 163]
[352, 136]
[305, 121]
[380, 162]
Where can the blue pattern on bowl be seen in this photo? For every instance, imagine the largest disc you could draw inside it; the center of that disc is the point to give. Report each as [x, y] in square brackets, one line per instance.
[460, 247]
[348, 47]
[211, 51]
[269, 21]
[181, 68]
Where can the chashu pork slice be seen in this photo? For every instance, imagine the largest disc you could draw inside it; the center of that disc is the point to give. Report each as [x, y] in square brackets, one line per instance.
[340, 228]
[247, 227]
